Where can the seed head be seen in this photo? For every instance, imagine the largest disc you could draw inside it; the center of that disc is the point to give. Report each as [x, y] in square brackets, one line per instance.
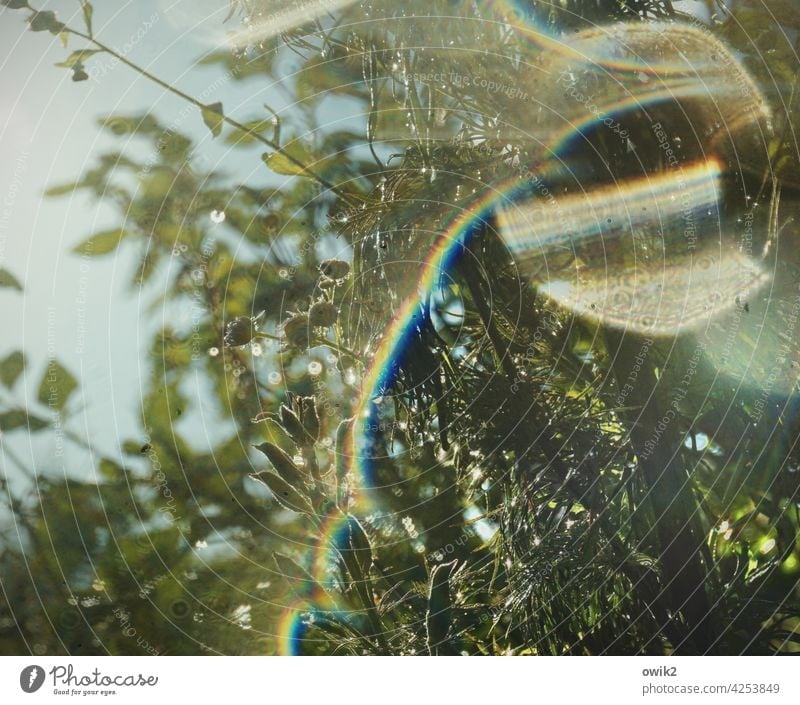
[335, 268]
[322, 314]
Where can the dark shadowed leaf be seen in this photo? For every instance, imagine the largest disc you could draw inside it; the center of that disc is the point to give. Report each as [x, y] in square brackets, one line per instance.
[46, 21]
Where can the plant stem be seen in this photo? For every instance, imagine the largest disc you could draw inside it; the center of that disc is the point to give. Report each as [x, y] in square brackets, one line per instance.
[348, 198]
[337, 347]
[317, 341]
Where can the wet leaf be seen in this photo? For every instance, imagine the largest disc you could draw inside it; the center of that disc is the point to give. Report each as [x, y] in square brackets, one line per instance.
[310, 417]
[284, 494]
[440, 606]
[359, 545]
[282, 463]
[291, 422]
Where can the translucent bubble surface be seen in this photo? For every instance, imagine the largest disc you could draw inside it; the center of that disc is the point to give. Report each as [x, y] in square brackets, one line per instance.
[651, 244]
[650, 254]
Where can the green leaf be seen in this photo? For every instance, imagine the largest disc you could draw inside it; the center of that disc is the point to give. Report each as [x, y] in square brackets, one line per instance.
[57, 385]
[100, 243]
[242, 138]
[88, 10]
[295, 159]
[281, 164]
[79, 74]
[282, 463]
[46, 21]
[440, 606]
[77, 57]
[11, 368]
[18, 418]
[294, 572]
[784, 11]
[9, 281]
[283, 493]
[322, 77]
[110, 470]
[241, 68]
[63, 189]
[140, 124]
[213, 117]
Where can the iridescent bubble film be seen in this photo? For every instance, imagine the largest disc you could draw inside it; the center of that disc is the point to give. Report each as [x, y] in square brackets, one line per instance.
[364, 327]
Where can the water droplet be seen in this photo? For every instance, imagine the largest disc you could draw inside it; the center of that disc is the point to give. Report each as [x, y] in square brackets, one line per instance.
[314, 368]
[274, 377]
[701, 441]
[217, 216]
[213, 352]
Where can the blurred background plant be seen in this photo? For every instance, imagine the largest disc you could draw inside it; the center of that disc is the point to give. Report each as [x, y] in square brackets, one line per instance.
[514, 507]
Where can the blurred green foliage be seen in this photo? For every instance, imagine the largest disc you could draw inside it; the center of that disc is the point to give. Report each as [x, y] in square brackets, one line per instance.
[517, 512]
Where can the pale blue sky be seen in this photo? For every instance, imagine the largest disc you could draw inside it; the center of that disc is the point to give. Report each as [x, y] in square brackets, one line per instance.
[48, 135]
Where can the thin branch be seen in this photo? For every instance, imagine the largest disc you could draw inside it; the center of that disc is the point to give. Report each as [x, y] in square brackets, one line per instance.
[229, 120]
